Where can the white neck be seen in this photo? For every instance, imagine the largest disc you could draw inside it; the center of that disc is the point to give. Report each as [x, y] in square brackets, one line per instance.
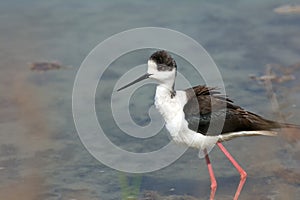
[169, 85]
[165, 104]
[172, 111]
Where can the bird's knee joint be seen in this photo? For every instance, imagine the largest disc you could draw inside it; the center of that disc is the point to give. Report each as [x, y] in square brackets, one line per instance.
[243, 175]
[213, 185]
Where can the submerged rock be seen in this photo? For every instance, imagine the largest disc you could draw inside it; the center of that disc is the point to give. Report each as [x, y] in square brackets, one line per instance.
[45, 66]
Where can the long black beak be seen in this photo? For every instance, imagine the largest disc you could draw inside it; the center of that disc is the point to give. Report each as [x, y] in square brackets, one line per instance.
[145, 76]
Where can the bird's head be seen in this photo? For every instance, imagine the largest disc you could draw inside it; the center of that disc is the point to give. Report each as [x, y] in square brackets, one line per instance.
[162, 68]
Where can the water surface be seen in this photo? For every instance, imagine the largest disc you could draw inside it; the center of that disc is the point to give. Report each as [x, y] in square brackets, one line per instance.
[41, 156]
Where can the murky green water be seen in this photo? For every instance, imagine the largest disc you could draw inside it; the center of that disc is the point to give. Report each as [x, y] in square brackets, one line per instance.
[41, 156]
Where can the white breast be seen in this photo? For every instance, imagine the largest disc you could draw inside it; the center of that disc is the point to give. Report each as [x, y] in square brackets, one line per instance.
[172, 111]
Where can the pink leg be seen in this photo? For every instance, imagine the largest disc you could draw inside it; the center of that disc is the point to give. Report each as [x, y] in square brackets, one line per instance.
[213, 186]
[238, 168]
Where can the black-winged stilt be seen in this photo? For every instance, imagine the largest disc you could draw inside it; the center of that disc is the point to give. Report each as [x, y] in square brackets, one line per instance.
[188, 114]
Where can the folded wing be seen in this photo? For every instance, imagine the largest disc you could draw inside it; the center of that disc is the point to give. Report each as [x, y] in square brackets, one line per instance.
[206, 107]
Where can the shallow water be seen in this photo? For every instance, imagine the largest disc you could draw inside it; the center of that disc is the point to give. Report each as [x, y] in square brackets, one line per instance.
[41, 156]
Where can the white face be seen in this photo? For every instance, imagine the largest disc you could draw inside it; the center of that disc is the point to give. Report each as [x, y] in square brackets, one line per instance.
[152, 67]
[164, 77]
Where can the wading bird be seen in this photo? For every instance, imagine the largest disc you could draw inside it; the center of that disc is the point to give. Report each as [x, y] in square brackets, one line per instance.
[189, 113]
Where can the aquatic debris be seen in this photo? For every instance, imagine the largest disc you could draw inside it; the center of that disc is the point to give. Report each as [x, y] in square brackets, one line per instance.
[45, 66]
[276, 78]
[153, 195]
[288, 9]
[273, 77]
[279, 74]
[150, 195]
[130, 186]
[267, 81]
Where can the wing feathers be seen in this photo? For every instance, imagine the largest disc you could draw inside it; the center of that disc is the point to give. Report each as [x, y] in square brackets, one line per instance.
[207, 106]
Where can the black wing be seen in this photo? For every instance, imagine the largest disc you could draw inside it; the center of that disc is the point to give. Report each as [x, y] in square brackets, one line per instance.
[207, 106]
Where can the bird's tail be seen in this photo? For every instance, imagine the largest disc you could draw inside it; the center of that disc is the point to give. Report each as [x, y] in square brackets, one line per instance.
[229, 136]
[286, 125]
